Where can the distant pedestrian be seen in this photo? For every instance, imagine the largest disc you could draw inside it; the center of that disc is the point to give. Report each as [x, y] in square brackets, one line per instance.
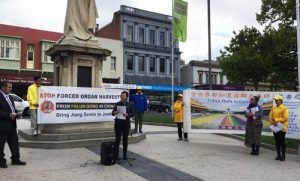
[279, 117]
[178, 109]
[123, 111]
[254, 125]
[32, 98]
[139, 101]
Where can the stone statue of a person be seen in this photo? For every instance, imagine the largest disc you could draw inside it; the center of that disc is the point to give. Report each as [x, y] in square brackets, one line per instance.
[80, 19]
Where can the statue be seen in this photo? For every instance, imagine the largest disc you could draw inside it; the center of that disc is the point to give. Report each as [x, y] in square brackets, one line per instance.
[80, 19]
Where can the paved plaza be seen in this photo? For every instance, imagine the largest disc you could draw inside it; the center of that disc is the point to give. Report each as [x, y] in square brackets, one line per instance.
[159, 157]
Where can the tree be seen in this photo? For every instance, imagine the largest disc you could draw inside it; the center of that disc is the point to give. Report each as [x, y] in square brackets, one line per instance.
[270, 56]
[242, 61]
[279, 17]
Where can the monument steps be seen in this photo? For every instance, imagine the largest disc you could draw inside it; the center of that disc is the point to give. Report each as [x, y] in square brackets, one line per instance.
[70, 140]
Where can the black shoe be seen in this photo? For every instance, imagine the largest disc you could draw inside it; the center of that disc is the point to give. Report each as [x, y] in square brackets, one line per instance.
[278, 158]
[141, 131]
[179, 139]
[17, 162]
[118, 159]
[124, 157]
[3, 165]
[282, 158]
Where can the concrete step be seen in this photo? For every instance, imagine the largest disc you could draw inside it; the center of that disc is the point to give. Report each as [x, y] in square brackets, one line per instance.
[27, 134]
[74, 143]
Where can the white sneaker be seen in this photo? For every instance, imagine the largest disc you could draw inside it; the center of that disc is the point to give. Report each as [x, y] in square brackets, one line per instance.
[39, 132]
[34, 133]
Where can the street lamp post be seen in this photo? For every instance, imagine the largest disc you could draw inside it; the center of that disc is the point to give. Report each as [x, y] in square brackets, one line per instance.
[209, 45]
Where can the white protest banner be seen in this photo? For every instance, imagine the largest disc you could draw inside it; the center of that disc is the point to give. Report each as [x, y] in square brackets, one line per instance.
[224, 111]
[75, 104]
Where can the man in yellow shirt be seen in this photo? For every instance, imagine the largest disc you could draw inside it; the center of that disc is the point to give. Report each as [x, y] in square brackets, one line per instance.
[279, 117]
[178, 109]
[32, 98]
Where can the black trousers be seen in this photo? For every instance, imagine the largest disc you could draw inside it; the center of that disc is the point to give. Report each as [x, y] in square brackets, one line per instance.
[138, 118]
[180, 127]
[11, 137]
[121, 129]
[280, 143]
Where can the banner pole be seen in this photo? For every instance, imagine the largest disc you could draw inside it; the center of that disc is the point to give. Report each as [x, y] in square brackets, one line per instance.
[298, 50]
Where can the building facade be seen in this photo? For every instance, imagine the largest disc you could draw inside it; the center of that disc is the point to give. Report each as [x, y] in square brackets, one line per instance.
[197, 73]
[22, 57]
[147, 40]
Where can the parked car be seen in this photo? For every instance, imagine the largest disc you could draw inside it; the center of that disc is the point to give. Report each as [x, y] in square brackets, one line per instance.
[159, 106]
[21, 104]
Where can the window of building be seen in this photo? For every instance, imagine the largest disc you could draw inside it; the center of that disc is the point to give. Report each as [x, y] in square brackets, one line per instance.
[152, 64]
[215, 76]
[152, 37]
[200, 76]
[221, 79]
[170, 40]
[30, 52]
[129, 62]
[46, 46]
[141, 35]
[170, 66]
[162, 65]
[113, 64]
[10, 48]
[129, 34]
[162, 38]
[141, 64]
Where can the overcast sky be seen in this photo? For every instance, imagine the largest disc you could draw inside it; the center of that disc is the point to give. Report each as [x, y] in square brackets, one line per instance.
[226, 16]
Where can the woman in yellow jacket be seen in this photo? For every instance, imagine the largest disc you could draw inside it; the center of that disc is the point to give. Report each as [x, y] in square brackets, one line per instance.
[178, 109]
[279, 114]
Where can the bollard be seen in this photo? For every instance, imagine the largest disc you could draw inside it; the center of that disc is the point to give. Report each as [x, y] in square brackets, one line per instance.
[299, 153]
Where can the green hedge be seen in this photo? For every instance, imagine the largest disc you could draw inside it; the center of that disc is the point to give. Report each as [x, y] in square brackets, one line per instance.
[158, 118]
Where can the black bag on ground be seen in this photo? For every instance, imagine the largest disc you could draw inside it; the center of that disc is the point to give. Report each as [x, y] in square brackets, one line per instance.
[107, 153]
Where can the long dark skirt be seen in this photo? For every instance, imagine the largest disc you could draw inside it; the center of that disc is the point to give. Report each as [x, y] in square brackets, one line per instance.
[253, 134]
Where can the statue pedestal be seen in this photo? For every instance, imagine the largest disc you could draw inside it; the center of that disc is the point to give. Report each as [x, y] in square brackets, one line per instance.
[78, 64]
[78, 127]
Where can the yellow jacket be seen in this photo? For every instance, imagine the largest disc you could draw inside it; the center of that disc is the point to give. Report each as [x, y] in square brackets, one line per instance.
[280, 114]
[32, 96]
[178, 109]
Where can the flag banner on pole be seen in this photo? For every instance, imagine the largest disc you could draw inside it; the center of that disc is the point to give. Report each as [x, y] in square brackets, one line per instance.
[180, 9]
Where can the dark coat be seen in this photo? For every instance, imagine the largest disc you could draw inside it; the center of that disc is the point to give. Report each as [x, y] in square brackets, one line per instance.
[5, 120]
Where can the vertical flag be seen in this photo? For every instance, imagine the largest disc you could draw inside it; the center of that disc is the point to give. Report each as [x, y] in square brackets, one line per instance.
[180, 8]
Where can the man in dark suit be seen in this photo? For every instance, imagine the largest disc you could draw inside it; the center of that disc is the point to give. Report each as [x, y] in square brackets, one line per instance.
[8, 126]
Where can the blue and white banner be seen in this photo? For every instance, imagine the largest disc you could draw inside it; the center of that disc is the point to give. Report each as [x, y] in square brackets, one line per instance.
[75, 104]
[224, 111]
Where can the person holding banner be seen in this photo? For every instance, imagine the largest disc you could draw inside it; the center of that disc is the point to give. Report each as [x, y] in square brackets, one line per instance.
[8, 126]
[178, 109]
[254, 125]
[32, 98]
[123, 111]
[279, 118]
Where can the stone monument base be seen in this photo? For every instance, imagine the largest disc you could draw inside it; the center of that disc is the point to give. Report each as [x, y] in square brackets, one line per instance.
[78, 127]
